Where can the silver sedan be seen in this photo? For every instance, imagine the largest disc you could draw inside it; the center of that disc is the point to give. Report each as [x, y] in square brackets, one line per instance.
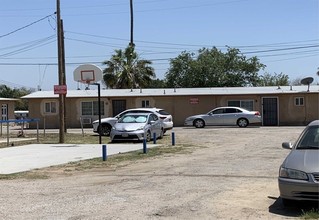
[224, 116]
[299, 173]
[137, 126]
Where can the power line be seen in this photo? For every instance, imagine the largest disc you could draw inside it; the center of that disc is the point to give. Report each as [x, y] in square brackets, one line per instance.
[21, 28]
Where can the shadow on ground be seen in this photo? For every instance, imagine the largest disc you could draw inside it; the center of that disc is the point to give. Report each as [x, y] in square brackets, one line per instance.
[295, 209]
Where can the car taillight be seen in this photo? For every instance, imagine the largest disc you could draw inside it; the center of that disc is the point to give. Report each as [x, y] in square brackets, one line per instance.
[257, 113]
[162, 117]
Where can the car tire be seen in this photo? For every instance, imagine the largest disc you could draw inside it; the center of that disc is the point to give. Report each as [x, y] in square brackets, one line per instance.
[105, 130]
[199, 123]
[148, 136]
[242, 122]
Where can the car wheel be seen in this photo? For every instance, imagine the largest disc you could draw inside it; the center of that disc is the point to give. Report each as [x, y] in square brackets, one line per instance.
[105, 130]
[199, 123]
[148, 136]
[242, 122]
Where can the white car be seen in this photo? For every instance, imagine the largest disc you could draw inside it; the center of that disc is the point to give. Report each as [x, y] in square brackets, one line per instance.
[107, 123]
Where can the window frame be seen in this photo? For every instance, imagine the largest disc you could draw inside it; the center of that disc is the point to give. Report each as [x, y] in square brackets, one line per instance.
[50, 107]
[241, 105]
[299, 101]
[146, 103]
[92, 109]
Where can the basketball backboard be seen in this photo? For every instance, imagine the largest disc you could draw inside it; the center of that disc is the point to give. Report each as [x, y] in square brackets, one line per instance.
[87, 73]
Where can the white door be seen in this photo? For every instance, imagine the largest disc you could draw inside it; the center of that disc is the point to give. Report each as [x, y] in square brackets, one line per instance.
[4, 112]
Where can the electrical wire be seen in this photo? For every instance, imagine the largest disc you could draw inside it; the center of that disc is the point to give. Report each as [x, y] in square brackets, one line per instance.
[21, 28]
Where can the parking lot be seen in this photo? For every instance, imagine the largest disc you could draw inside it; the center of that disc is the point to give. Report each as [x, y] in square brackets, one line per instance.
[230, 173]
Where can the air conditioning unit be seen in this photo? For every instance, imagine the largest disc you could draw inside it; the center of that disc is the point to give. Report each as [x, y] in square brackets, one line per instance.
[86, 120]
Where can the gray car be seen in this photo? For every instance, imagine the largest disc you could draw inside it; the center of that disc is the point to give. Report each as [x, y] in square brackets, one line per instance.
[299, 173]
[137, 127]
[224, 116]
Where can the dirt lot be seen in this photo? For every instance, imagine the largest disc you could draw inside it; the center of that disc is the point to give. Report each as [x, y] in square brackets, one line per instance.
[231, 174]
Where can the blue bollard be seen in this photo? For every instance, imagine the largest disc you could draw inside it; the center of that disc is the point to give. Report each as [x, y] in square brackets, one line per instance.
[104, 154]
[144, 146]
[154, 138]
[173, 138]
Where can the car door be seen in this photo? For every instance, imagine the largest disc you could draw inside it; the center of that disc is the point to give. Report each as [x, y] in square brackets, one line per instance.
[215, 117]
[230, 116]
[155, 124]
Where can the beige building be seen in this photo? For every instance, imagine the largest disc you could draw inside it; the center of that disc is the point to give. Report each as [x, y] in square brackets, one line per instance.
[7, 108]
[285, 105]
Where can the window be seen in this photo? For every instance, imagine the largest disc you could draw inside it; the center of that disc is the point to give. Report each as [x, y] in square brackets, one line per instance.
[50, 107]
[246, 104]
[230, 110]
[145, 103]
[91, 108]
[299, 101]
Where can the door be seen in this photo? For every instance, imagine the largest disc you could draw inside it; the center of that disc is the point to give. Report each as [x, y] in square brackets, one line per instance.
[4, 112]
[270, 111]
[230, 116]
[118, 106]
[215, 117]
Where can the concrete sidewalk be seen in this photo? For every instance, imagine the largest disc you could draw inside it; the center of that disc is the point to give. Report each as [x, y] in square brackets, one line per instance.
[33, 156]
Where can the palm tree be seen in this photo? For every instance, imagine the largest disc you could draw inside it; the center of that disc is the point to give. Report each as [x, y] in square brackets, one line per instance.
[125, 70]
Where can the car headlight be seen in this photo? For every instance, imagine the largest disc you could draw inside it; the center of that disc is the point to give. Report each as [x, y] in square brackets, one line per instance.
[140, 128]
[292, 174]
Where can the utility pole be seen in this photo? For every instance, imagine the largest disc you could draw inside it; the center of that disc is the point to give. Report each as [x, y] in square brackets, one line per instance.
[132, 23]
[61, 69]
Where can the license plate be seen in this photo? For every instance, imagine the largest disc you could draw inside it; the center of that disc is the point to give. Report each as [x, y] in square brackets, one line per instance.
[124, 135]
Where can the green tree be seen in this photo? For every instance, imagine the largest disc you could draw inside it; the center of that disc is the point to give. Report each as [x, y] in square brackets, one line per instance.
[158, 83]
[273, 80]
[7, 92]
[126, 70]
[212, 68]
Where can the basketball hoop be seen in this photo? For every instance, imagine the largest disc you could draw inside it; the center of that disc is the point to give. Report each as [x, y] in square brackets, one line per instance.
[87, 74]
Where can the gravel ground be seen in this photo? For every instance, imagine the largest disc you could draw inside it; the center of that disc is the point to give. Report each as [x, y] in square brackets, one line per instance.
[231, 174]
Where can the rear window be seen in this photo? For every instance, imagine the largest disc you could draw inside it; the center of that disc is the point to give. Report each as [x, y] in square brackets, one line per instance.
[163, 112]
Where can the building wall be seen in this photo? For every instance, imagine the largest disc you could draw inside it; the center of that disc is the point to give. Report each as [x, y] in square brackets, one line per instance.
[11, 105]
[181, 107]
[290, 114]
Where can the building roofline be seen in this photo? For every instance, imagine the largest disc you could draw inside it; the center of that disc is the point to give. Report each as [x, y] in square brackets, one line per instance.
[178, 92]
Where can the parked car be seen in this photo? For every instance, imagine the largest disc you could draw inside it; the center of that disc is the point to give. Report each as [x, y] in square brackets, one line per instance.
[107, 123]
[299, 173]
[224, 116]
[137, 126]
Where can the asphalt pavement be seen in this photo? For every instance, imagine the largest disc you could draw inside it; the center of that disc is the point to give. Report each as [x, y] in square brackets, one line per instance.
[34, 156]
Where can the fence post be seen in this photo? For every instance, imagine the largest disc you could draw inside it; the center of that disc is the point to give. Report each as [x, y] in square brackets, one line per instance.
[144, 146]
[104, 153]
[173, 138]
[154, 138]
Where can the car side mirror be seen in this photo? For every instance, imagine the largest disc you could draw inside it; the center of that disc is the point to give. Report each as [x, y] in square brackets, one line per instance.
[287, 145]
[152, 122]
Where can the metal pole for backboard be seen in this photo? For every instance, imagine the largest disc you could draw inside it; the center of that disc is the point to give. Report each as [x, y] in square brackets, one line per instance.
[99, 106]
[8, 134]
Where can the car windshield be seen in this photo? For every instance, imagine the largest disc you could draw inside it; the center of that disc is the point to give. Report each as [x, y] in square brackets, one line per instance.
[310, 139]
[133, 119]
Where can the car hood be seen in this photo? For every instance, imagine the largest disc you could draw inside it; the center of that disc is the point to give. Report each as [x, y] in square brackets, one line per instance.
[304, 160]
[128, 126]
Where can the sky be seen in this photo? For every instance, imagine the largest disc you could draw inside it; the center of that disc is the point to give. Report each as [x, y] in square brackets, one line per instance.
[283, 34]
